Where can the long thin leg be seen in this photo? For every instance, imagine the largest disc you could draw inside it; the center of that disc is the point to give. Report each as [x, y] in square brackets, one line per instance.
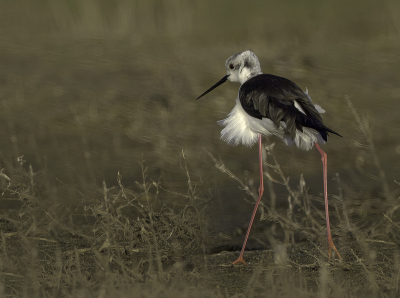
[324, 159]
[260, 193]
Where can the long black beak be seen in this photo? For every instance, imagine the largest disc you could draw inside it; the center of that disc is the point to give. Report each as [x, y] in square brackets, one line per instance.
[220, 82]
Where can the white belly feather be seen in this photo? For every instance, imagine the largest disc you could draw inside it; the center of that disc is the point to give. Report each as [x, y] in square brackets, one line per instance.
[241, 128]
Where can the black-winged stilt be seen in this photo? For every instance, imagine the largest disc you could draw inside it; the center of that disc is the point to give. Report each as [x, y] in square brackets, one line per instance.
[271, 105]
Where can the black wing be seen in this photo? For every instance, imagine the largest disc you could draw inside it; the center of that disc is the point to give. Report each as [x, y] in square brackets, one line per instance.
[269, 96]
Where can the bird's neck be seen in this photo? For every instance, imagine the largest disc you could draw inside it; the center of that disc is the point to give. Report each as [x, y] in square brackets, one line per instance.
[247, 74]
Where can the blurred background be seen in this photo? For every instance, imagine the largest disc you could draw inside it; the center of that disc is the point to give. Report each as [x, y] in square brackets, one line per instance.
[89, 88]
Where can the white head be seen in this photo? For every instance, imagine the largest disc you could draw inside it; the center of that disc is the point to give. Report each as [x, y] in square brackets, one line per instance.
[239, 68]
[243, 66]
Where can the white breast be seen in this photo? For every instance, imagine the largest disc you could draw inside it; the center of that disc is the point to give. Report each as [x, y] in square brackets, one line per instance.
[241, 128]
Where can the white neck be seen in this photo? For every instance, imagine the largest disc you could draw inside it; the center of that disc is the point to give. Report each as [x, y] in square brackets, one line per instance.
[247, 73]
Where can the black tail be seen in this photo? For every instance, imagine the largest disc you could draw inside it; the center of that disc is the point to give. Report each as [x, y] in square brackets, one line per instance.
[317, 125]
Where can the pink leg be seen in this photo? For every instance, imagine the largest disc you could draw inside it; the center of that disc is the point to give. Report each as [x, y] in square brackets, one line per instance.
[260, 193]
[324, 159]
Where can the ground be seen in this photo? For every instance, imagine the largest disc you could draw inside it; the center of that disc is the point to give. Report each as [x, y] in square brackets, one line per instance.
[167, 251]
[113, 179]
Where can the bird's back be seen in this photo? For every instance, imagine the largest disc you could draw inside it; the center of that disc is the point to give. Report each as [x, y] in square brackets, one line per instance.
[281, 100]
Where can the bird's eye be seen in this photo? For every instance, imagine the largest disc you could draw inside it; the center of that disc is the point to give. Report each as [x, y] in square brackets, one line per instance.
[231, 66]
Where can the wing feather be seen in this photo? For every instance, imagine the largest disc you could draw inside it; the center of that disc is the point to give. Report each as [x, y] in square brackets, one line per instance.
[273, 97]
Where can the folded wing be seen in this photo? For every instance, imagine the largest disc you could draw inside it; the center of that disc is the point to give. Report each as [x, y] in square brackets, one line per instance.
[273, 97]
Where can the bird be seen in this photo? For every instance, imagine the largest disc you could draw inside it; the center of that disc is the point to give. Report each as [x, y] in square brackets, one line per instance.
[269, 105]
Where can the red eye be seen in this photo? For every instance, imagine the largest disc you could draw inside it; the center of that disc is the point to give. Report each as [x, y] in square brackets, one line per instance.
[231, 66]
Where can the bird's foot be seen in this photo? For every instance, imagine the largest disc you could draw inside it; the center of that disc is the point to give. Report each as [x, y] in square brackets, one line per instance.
[330, 246]
[240, 260]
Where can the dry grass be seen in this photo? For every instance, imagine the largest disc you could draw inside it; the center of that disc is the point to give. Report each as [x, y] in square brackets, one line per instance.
[89, 88]
[162, 251]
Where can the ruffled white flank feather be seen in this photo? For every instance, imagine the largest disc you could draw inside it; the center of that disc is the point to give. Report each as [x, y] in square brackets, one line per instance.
[241, 128]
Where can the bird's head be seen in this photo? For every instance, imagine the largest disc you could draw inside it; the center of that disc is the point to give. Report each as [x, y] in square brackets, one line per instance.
[239, 68]
[243, 66]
